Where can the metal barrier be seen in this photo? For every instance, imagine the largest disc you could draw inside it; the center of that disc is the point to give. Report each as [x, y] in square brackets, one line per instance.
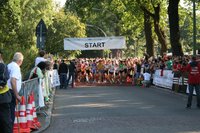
[41, 89]
[28, 87]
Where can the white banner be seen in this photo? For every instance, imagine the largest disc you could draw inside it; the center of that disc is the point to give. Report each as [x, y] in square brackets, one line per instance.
[165, 81]
[95, 43]
[55, 80]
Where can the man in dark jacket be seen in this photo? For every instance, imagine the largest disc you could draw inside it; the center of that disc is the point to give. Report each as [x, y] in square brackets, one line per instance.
[63, 70]
[5, 100]
[194, 81]
[72, 69]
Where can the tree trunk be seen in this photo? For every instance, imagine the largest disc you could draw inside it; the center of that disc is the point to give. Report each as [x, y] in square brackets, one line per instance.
[159, 32]
[174, 28]
[116, 53]
[148, 34]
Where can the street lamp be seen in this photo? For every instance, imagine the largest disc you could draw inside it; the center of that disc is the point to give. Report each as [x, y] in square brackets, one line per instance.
[194, 28]
[115, 17]
[98, 28]
[97, 9]
[116, 31]
[104, 33]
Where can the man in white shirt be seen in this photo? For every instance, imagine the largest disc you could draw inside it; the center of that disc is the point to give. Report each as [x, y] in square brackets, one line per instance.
[147, 79]
[40, 58]
[15, 81]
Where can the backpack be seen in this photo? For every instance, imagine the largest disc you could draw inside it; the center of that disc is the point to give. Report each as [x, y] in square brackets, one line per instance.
[4, 76]
[34, 75]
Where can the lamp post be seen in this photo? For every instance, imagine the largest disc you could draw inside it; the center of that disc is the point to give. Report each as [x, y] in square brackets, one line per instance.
[116, 52]
[98, 28]
[194, 28]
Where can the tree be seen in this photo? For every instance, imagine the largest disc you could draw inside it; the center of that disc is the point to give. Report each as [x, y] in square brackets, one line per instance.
[9, 22]
[18, 22]
[186, 25]
[65, 25]
[156, 6]
[148, 34]
[116, 18]
[174, 28]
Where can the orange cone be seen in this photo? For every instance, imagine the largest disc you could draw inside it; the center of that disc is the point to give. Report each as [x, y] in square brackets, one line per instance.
[22, 117]
[16, 127]
[29, 113]
[35, 119]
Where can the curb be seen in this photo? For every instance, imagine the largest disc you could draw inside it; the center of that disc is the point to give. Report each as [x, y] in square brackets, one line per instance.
[49, 113]
[170, 91]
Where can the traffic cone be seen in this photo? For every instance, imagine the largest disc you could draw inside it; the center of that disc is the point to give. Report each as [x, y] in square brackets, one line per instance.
[16, 127]
[35, 119]
[29, 113]
[22, 117]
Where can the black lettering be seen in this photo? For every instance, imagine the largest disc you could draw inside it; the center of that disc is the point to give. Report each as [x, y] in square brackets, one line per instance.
[86, 45]
[98, 44]
[90, 45]
[94, 45]
[103, 44]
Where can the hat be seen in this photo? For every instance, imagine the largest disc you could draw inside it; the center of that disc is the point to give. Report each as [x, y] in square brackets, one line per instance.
[42, 65]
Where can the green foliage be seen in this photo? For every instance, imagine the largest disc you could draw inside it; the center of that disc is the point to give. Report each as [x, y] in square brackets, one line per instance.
[29, 59]
[18, 22]
[186, 25]
[63, 26]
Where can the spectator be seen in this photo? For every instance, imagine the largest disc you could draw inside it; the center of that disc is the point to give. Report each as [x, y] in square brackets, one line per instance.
[5, 99]
[72, 69]
[169, 63]
[63, 70]
[40, 58]
[15, 81]
[138, 70]
[38, 71]
[55, 65]
[177, 73]
[193, 80]
[162, 67]
[147, 79]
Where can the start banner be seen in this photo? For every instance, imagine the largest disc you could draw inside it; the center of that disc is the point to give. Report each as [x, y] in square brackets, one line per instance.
[94, 43]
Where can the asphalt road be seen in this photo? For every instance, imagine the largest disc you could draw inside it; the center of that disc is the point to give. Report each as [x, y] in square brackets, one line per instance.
[122, 110]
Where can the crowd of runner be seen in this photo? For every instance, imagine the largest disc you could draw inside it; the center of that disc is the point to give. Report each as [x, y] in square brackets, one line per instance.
[130, 70]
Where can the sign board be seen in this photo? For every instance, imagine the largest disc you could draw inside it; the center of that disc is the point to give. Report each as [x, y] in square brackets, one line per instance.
[94, 43]
[41, 34]
[55, 80]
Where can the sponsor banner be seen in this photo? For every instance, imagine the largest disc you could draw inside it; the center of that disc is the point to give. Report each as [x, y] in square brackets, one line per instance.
[165, 81]
[95, 43]
[55, 80]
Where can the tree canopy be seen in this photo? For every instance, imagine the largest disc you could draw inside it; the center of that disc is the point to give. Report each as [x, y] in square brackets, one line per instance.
[148, 25]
